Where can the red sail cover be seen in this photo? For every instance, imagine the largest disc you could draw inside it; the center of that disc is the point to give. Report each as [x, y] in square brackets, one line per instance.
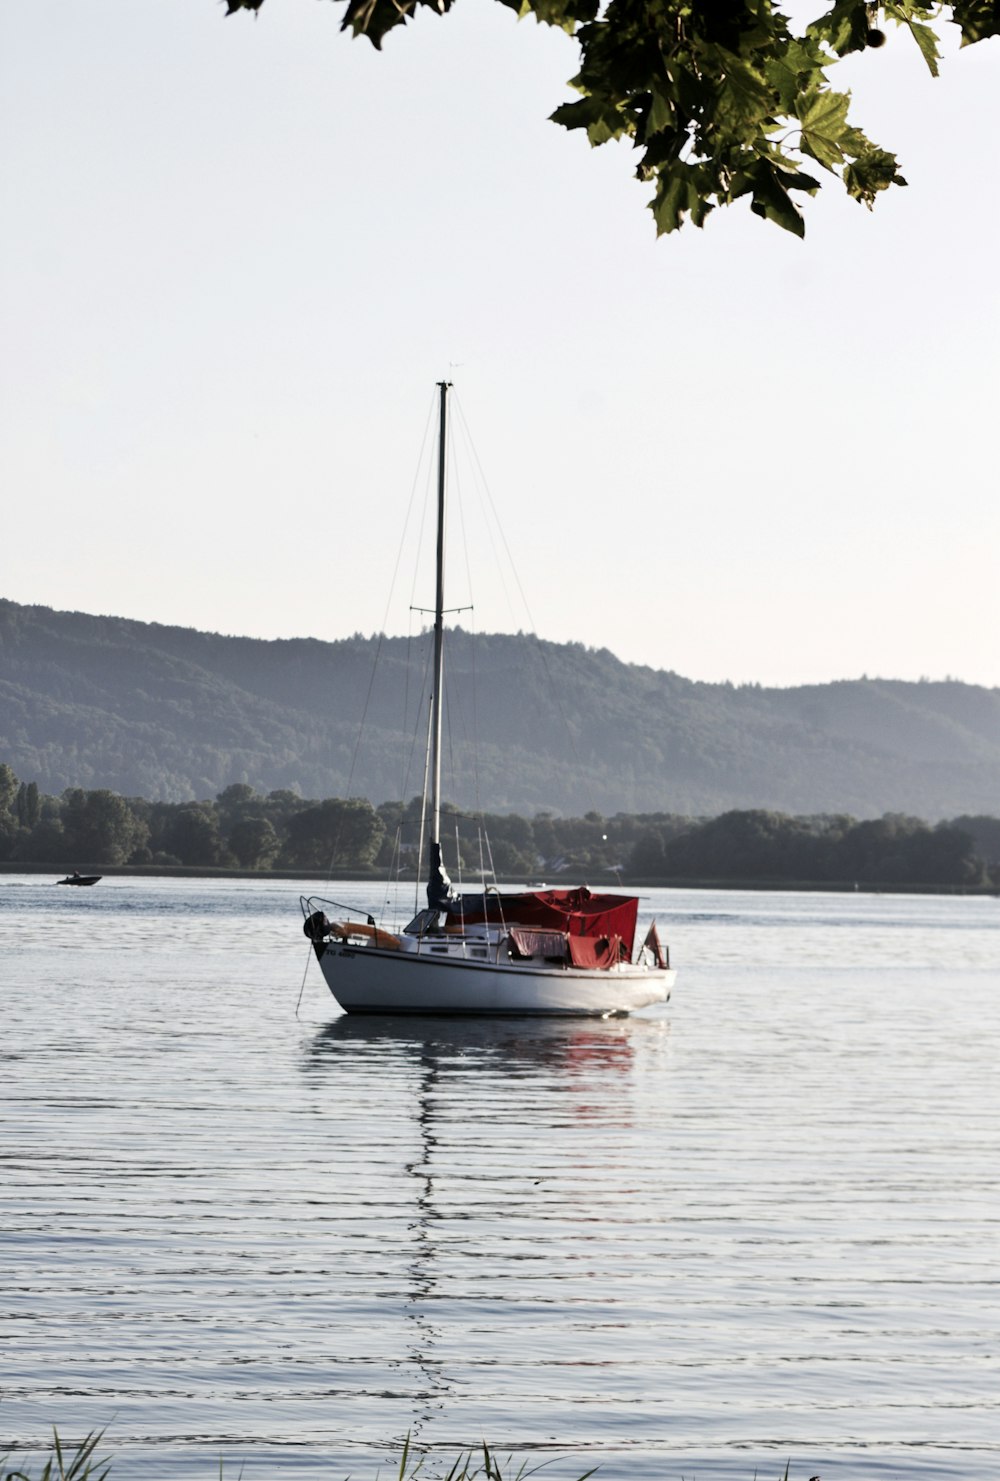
[595, 951]
[577, 912]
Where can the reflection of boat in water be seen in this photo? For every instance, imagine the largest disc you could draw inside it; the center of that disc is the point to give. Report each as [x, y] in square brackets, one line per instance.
[566, 951]
[476, 1158]
[80, 879]
[513, 1046]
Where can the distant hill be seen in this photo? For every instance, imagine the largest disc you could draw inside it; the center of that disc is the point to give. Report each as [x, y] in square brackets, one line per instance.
[171, 713]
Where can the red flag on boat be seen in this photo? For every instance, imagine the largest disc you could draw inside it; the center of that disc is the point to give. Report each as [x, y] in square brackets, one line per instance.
[653, 942]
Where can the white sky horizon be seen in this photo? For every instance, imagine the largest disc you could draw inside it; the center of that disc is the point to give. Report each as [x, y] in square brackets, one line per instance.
[238, 254]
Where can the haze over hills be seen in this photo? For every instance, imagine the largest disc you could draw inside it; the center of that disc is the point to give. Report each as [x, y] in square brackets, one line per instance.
[171, 713]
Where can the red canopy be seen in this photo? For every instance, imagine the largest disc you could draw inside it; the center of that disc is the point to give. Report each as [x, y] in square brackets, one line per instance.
[595, 951]
[577, 912]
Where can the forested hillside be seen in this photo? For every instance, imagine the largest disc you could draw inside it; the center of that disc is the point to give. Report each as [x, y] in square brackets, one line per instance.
[172, 714]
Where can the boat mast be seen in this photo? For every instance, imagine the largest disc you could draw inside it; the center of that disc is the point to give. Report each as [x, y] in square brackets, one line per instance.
[438, 884]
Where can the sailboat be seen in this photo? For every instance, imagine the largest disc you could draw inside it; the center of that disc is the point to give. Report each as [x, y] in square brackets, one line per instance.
[542, 951]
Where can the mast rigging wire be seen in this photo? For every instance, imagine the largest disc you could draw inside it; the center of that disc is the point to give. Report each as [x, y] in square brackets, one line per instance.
[381, 636]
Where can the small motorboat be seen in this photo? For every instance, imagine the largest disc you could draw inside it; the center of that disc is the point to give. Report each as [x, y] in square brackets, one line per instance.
[76, 878]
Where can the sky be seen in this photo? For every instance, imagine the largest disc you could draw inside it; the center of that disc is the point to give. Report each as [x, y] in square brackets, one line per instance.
[237, 253]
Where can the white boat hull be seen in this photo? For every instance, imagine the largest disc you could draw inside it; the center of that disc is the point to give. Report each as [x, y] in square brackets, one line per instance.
[366, 979]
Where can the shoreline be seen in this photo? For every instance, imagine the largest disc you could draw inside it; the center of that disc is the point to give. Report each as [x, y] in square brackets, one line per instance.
[613, 882]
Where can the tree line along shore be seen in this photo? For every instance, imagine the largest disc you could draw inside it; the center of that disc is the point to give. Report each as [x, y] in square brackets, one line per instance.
[251, 832]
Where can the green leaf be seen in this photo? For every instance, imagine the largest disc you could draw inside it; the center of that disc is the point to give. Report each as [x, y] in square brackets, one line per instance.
[601, 121]
[823, 117]
[978, 19]
[873, 172]
[373, 18]
[927, 41]
[854, 143]
[662, 110]
[678, 195]
[922, 35]
[566, 15]
[798, 69]
[743, 98]
[770, 198]
[797, 180]
[743, 79]
[706, 89]
[844, 26]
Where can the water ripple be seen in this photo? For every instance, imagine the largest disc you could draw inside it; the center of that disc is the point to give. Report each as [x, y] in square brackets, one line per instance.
[758, 1227]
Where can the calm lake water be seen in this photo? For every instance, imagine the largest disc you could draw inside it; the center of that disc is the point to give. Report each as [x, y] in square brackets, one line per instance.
[758, 1226]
